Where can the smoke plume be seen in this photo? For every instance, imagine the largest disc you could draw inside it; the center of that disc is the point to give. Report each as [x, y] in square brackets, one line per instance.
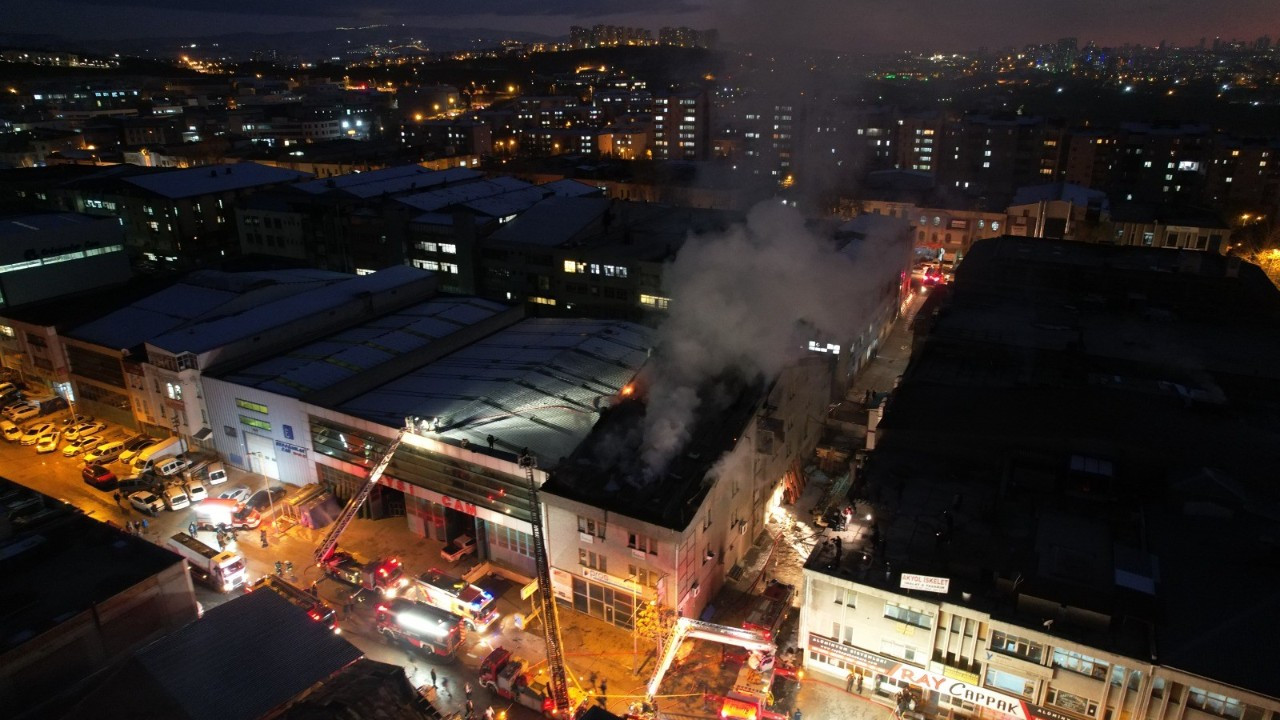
[747, 302]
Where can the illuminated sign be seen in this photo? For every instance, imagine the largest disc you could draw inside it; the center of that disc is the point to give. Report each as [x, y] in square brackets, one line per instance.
[927, 583]
[815, 346]
[967, 692]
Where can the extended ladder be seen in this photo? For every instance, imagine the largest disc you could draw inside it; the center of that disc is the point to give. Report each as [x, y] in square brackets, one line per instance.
[326, 548]
[550, 621]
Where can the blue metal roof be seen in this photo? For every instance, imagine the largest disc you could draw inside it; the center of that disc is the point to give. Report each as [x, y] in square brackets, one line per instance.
[212, 179]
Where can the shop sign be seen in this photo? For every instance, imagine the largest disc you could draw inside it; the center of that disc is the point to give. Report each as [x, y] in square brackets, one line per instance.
[606, 578]
[967, 692]
[851, 654]
[961, 675]
[928, 583]
[291, 448]
[1044, 713]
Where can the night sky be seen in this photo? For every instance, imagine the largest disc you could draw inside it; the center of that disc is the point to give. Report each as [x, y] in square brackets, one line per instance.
[867, 25]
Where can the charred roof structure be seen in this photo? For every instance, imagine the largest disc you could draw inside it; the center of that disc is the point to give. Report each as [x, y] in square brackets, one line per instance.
[606, 470]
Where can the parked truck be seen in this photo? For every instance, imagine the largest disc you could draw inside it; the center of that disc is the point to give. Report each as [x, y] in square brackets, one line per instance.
[433, 631]
[505, 676]
[383, 575]
[220, 570]
[213, 513]
[153, 456]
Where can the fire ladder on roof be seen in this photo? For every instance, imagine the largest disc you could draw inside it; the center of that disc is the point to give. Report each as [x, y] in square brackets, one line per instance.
[550, 622]
[353, 505]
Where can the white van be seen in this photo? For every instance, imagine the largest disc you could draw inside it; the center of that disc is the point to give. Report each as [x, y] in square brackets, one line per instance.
[154, 455]
[216, 474]
[175, 497]
[171, 466]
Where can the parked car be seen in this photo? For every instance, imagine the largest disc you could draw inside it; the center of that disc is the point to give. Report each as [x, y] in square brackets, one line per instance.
[85, 428]
[196, 491]
[135, 446]
[175, 497]
[11, 431]
[84, 444]
[48, 442]
[25, 411]
[146, 501]
[99, 477]
[53, 404]
[263, 501]
[7, 387]
[173, 466]
[239, 493]
[104, 453]
[77, 419]
[34, 431]
[139, 481]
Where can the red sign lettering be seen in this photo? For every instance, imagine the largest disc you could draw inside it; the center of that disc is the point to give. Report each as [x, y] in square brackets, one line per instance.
[458, 505]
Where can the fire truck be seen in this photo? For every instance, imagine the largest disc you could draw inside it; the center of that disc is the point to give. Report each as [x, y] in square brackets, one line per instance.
[317, 609]
[506, 677]
[383, 575]
[750, 697]
[422, 626]
[476, 606]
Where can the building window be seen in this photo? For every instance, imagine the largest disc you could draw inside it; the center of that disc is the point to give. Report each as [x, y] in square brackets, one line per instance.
[1083, 664]
[846, 597]
[255, 422]
[644, 576]
[595, 561]
[588, 526]
[1214, 703]
[1010, 683]
[511, 539]
[256, 407]
[1017, 646]
[174, 391]
[904, 652]
[655, 301]
[643, 543]
[908, 616]
[449, 248]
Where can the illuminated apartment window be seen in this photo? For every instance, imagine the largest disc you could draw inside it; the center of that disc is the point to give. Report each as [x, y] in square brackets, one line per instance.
[542, 300]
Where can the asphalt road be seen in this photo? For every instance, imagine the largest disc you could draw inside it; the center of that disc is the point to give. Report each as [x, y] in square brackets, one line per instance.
[59, 477]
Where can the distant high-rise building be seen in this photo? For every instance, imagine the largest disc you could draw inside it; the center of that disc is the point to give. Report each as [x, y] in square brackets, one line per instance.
[1263, 43]
[688, 37]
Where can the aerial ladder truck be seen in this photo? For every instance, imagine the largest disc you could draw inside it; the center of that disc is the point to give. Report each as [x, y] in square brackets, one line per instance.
[750, 696]
[384, 574]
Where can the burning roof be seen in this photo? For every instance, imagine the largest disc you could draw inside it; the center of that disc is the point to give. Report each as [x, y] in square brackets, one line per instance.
[607, 469]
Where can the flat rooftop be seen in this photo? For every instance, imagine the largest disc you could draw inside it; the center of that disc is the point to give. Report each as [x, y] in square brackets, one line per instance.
[214, 179]
[338, 358]
[1100, 423]
[65, 565]
[537, 384]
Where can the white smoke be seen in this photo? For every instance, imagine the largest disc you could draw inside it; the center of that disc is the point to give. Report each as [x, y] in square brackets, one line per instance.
[747, 302]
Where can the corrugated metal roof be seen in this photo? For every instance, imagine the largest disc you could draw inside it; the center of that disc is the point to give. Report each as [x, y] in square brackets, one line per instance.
[551, 222]
[536, 384]
[322, 363]
[509, 203]
[445, 197]
[212, 179]
[211, 673]
[151, 316]
[305, 302]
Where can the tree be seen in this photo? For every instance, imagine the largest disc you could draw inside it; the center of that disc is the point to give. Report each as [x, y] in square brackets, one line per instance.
[654, 622]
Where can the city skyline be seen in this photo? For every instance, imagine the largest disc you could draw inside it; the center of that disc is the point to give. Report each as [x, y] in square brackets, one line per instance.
[866, 27]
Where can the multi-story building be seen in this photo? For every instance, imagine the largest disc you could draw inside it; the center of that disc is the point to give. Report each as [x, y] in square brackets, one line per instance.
[620, 536]
[1006, 568]
[681, 130]
[1059, 210]
[1172, 227]
[994, 156]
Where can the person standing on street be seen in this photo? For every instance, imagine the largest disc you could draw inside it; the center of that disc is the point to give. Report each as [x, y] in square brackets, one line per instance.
[604, 690]
[433, 677]
[262, 536]
[117, 497]
[859, 683]
[191, 529]
[466, 689]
